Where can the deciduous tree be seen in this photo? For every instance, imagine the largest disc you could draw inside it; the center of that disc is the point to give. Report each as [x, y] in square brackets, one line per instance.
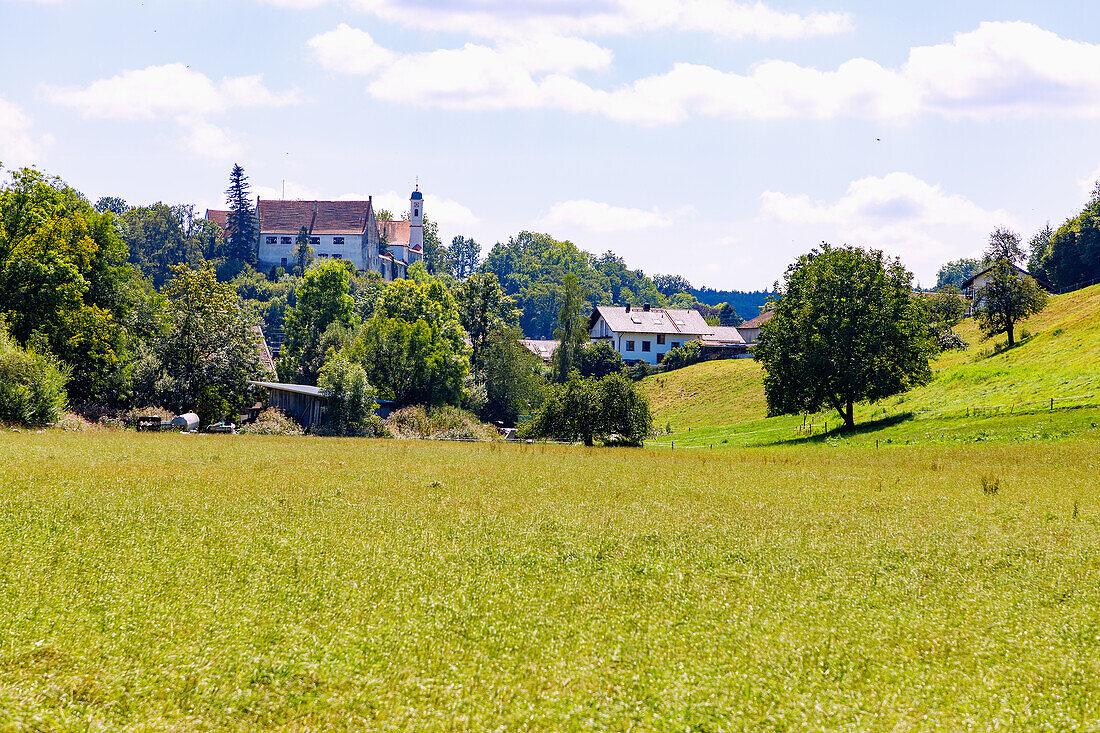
[846, 328]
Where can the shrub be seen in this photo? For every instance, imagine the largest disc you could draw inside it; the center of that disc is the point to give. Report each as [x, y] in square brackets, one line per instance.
[682, 356]
[272, 422]
[946, 339]
[32, 385]
[611, 410]
[351, 402]
[71, 422]
[439, 423]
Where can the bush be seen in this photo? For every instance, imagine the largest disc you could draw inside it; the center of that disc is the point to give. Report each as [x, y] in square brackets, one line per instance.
[946, 339]
[32, 385]
[272, 422]
[439, 423]
[611, 410]
[71, 422]
[682, 356]
[351, 402]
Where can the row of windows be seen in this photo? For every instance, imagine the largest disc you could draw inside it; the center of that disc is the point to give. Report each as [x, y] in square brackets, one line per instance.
[292, 240]
[646, 344]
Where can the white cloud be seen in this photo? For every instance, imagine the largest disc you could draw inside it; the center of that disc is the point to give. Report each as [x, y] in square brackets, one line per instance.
[18, 145]
[500, 19]
[1089, 183]
[898, 213]
[166, 91]
[997, 70]
[174, 92]
[209, 140]
[601, 217]
[349, 50]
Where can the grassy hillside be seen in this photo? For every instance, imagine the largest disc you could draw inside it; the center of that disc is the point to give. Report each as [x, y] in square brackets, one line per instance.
[1060, 359]
[167, 582]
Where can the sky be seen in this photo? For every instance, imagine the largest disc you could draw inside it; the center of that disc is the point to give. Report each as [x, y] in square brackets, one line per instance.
[715, 139]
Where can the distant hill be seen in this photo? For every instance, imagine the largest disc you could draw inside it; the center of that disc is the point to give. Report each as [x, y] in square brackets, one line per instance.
[1060, 359]
[747, 303]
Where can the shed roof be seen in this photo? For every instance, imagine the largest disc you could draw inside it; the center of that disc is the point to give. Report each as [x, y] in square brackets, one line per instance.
[722, 336]
[759, 321]
[296, 388]
[656, 320]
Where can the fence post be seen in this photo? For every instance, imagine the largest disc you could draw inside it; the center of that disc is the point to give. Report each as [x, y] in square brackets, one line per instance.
[1052, 404]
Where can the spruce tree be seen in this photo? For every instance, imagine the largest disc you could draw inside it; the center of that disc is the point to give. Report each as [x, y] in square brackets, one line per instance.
[242, 230]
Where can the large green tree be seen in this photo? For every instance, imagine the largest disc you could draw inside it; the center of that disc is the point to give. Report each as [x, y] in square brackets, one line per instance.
[572, 331]
[323, 305]
[956, 272]
[465, 254]
[483, 307]
[511, 374]
[1072, 256]
[590, 409]
[242, 228]
[413, 347]
[159, 236]
[208, 352]
[65, 287]
[1006, 298]
[846, 328]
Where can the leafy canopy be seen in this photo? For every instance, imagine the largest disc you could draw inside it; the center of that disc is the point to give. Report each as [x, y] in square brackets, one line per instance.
[846, 328]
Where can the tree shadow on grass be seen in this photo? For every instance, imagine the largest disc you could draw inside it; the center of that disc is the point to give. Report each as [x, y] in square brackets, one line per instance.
[864, 428]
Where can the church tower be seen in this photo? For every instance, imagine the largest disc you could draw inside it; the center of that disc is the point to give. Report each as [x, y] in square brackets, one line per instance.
[416, 219]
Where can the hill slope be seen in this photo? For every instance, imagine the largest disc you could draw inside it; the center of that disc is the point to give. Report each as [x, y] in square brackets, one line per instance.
[1060, 360]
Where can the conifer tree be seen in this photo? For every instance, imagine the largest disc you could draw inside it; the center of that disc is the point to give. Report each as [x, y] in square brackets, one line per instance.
[241, 226]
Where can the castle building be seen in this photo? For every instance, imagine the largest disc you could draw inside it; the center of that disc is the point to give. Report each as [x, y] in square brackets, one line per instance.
[337, 230]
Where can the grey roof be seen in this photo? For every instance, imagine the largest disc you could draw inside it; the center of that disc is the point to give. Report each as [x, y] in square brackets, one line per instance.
[656, 320]
[542, 348]
[299, 388]
[724, 335]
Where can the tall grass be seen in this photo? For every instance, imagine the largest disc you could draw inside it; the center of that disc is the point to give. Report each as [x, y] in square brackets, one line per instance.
[173, 582]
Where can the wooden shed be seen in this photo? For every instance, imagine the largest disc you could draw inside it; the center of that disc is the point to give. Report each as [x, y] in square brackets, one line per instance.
[303, 403]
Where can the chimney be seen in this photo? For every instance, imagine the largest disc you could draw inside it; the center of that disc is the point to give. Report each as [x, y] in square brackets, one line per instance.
[646, 307]
[628, 307]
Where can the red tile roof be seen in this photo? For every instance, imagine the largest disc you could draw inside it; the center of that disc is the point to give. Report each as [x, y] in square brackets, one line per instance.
[217, 216]
[396, 232]
[318, 217]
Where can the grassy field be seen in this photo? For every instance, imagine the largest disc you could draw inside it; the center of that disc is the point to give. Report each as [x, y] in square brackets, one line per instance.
[724, 400]
[167, 582]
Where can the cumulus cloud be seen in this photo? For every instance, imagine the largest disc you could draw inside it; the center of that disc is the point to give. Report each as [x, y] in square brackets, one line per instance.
[996, 70]
[525, 18]
[174, 92]
[601, 217]
[18, 146]
[898, 213]
[166, 91]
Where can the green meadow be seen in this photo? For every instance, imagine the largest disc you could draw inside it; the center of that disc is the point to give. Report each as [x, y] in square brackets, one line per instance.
[983, 393]
[168, 582]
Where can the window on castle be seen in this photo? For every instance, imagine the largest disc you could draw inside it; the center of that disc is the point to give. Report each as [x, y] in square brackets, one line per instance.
[282, 261]
[284, 240]
[272, 240]
[314, 240]
[338, 257]
[337, 240]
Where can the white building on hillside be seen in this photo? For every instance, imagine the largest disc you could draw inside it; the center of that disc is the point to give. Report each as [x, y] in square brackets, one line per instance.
[647, 334]
[346, 230]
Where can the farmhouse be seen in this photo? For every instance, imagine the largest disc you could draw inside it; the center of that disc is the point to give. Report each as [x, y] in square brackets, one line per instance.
[339, 230]
[647, 334]
[974, 283]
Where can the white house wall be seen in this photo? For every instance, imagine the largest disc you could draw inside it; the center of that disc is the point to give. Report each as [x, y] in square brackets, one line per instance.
[602, 332]
[273, 254]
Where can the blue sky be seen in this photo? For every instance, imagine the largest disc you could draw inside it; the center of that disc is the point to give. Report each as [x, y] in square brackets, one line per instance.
[709, 138]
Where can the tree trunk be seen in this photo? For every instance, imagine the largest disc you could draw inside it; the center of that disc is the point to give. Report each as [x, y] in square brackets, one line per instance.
[849, 421]
[1011, 340]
